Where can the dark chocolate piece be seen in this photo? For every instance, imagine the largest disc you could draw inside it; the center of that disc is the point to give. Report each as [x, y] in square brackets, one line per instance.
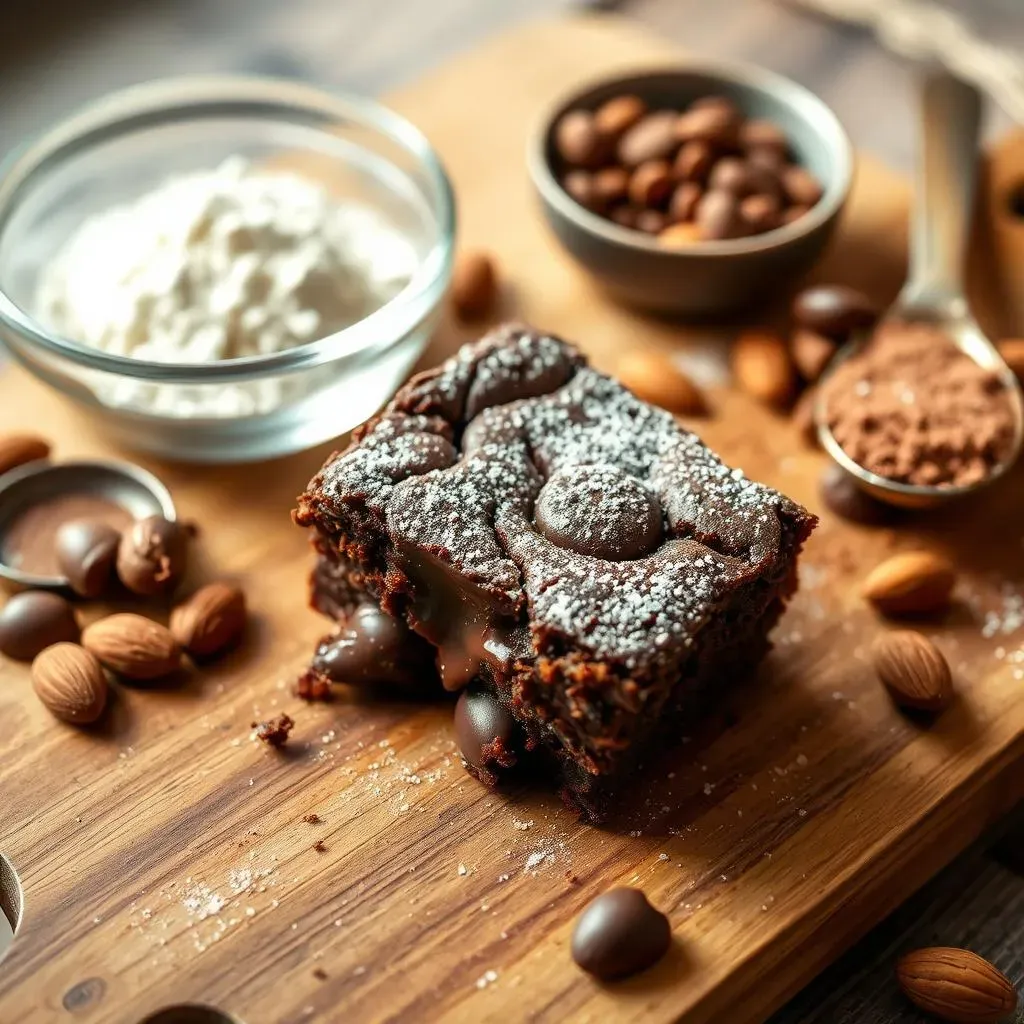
[487, 734]
[86, 553]
[34, 620]
[558, 542]
[619, 934]
[152, 555]
[372, 648]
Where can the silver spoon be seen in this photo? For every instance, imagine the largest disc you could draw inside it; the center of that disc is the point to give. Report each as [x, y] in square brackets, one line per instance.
[934, 290]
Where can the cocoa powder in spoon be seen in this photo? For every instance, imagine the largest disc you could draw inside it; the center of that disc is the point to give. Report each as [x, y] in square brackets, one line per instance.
[912, 407]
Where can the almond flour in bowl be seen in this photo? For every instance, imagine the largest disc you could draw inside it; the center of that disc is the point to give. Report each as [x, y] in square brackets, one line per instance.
[221, 264]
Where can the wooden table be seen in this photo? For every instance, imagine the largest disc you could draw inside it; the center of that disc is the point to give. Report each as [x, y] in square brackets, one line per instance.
[370, 46]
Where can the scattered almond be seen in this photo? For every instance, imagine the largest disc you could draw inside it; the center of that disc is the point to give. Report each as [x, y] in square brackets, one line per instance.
[812, 352]
[913, 670]
[210, 621]
[956, 985]
[17, 449]
[474, 285]
[70, 683]
[654, 377]
[1012, 350]
[911, 583]
[133, 646]
[763, 368]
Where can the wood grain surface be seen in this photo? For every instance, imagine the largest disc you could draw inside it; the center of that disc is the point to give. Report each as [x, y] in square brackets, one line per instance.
[165, 858]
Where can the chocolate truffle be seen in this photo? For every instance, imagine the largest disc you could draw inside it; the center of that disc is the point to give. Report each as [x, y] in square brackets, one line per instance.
[86, 553]
[34, 620]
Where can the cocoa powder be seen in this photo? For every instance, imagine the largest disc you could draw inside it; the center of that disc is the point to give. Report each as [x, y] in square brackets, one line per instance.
[913, 408]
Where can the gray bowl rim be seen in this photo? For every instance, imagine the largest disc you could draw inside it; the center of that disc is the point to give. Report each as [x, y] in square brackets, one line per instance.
[38, 467]
[163, 97]
[795, 96]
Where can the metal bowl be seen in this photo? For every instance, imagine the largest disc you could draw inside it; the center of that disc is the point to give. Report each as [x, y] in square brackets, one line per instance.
[703, 278]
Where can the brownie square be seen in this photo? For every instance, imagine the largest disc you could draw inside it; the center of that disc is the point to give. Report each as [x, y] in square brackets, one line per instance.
[558, 542]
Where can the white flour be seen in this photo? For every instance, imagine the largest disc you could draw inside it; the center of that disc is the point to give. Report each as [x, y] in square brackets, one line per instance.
[217, 265]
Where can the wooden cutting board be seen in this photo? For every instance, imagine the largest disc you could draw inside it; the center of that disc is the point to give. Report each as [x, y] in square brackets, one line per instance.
[165, 859]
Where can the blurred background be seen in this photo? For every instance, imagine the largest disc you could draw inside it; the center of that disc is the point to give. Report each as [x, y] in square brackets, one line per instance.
[56, 54]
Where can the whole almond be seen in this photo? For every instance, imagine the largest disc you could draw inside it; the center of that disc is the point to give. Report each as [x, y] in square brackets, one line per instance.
[911, 583]
[210, 621]
[811, 353]
[763, 368]
[655, 377]
[17, 449]
[956, 985]
[474, 285]
[1012, 350]
[70, 683]
[913, 670]
[133, 646]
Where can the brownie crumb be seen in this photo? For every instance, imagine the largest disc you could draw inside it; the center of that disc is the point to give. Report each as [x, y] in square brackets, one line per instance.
[320, 846]
[571, 878]
[274, 731]
[313, 686]
[312, 819]
[320, 974]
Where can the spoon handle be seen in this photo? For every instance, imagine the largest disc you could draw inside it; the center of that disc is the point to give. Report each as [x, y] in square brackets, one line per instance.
[950, 115]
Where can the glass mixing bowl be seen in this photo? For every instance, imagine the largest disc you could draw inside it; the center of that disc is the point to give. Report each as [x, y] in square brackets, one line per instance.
[130, 143]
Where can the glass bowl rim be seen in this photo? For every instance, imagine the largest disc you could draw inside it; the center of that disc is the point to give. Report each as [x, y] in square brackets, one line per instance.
[184, 98]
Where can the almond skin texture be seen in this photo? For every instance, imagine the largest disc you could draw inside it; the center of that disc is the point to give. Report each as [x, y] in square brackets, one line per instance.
[133, 646]
[17, 449]
[913, 670]
[210, 621]
[912, 583]
[70, 683]
[956, 985]
[763, 368]
[654, 377]
[474, 285]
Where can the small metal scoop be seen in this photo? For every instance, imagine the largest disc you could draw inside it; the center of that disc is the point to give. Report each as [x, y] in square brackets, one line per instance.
[122, 485]
[934, 291]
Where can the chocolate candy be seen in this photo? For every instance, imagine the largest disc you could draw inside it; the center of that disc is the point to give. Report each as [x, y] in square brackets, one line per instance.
[715, 123]
[652, 222]
[651, 184]
[373, 648]
[619, 934]
[834, 310]
[760, 213]
[693, 161]
[578, 141]
[762, 136]
[86, 553]
[652, 138]
[801, 187]
[683, 204]
[611, 185]
[34, 620]
[580, 185]
[152, 555]
[599, 511]
[628, 164]
[718, 214]
[618, 115]
[488, 736]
